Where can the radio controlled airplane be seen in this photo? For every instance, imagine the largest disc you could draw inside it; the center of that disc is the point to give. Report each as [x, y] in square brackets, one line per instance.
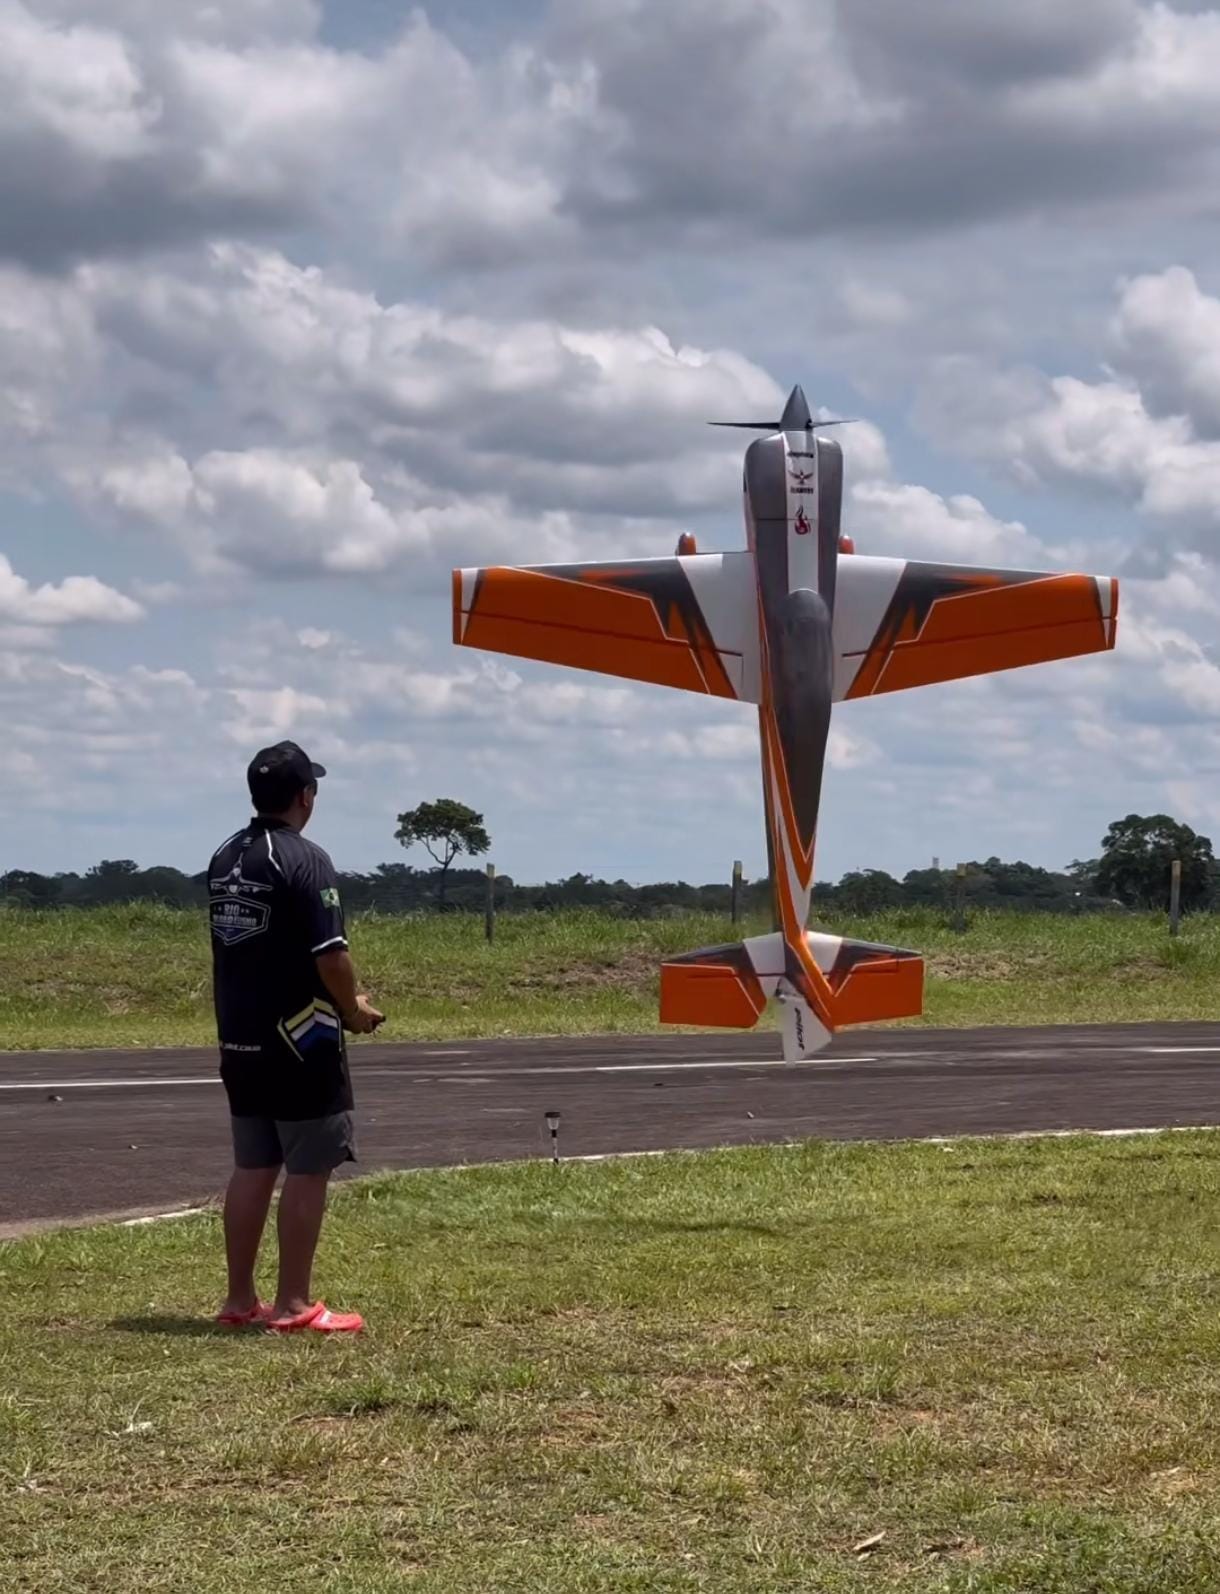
[794, 623]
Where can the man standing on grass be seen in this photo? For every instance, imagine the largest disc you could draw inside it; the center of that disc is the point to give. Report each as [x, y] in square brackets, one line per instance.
[285, 990]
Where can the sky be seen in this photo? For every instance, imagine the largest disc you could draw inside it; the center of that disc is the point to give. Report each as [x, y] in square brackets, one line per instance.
[303, 305]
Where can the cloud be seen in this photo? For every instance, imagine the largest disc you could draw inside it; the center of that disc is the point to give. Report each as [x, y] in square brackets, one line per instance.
[472, 440]
[264, 715]
[235, 22]
[1166, 335]
[808, 120]
[912, 522]
[76, 600]
[270, 417]
[952, 43]
[73, 724]
[1146, 432]
[128, 126]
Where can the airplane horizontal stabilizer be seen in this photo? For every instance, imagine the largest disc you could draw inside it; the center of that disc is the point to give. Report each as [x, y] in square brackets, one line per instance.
[869, 982]
[727, 987]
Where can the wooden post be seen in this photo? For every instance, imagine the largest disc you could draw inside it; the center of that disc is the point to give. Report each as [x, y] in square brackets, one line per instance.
[736, 897]
[1175, 895]
[959, 915]
[490, 920]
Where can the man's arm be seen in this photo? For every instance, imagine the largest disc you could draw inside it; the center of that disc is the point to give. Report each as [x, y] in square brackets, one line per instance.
[339, 976]
[316, 888]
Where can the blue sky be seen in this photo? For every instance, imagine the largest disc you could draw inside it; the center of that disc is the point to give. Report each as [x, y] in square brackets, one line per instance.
[302, 306]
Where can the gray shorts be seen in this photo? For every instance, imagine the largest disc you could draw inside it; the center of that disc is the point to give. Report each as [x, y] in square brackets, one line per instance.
[306, 1145]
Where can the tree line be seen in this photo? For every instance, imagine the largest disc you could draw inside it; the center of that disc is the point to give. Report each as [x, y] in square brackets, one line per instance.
[1132, 870]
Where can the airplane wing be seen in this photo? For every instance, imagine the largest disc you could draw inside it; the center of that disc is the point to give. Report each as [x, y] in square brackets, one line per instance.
[898, 623]
[689, 622]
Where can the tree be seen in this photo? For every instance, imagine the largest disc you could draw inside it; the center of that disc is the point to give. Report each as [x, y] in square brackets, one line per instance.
[112, 880]
[926, 886]
[444, 828]
[1136, 857]
[868, 891]
[24, 888]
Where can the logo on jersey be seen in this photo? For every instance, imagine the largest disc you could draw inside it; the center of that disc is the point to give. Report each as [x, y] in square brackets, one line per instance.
[235, 884]
[234, 919]
[330, 897]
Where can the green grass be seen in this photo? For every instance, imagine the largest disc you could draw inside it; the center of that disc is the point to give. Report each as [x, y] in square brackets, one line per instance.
[140, 975]
[689, 1373]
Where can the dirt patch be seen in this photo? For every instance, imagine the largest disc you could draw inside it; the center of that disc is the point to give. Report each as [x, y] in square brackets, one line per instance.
[631, 971]
[968, 965]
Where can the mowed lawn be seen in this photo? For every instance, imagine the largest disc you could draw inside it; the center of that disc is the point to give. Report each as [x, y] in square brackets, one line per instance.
[140, 975]
[981, 1367]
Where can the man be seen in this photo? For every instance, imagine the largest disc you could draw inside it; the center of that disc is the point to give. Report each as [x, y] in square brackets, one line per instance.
[285, 990]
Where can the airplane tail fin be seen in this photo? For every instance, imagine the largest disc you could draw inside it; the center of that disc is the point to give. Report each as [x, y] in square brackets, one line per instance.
[727, 987]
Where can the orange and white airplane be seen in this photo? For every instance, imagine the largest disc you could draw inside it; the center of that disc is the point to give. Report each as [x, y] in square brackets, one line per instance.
[794, 623]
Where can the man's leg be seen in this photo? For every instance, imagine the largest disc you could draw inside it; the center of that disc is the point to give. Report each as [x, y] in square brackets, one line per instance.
[313, 1149]
[247, 1201]
[257, 1156]
[299, 1223]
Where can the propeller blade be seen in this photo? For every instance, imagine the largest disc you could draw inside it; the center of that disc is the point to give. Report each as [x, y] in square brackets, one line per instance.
[774, 426]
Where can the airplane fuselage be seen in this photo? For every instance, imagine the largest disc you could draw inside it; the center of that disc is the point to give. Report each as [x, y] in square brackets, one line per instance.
[793, 485]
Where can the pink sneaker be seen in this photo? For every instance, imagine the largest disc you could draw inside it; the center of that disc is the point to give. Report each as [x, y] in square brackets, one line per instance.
[319, 1319]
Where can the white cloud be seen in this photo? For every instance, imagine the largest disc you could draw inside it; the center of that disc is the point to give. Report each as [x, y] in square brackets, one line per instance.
[912, 522]
[267, 715]
[1166, 333]
[132, 125]
[1111, 436]
[77, 85]
[76, 600]
[382, 433]
[128, 126]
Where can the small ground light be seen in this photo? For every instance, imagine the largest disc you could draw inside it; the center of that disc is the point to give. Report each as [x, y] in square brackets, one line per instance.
[552, 1123]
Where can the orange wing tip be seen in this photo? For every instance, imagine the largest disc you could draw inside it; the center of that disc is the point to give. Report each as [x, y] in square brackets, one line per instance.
[457, 608]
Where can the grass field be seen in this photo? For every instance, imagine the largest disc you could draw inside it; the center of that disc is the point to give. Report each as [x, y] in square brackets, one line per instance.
[708, 1373]
[140, 975]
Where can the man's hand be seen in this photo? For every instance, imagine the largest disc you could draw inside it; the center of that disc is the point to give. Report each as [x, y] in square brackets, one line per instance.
[365, 1019]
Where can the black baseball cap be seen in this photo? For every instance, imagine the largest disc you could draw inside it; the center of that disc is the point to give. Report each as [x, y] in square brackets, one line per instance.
[278, 773]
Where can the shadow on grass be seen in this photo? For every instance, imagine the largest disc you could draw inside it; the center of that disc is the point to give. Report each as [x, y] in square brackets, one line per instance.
[180, 1327]
[627, 1227]
[728, 1226]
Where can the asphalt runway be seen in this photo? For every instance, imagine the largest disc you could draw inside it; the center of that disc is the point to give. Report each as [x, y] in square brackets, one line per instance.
[137, 1132]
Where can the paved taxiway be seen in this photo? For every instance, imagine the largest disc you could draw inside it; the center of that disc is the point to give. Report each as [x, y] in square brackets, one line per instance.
[147, 1131]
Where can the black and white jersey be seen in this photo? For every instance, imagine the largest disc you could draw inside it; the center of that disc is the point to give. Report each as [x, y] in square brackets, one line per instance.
[274, 907]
